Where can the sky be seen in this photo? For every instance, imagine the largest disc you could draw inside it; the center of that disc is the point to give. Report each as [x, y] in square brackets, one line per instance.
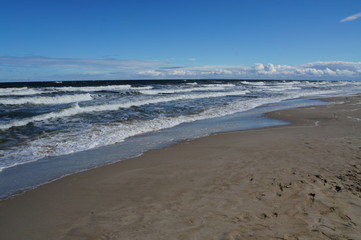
[188, 39]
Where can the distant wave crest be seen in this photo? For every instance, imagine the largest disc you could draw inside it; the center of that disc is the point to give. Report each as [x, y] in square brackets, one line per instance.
[18, 91]
[47, 100]
[93, 89]
[183, 90]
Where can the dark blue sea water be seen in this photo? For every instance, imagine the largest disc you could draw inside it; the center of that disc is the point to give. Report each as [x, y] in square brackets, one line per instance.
[57, 128]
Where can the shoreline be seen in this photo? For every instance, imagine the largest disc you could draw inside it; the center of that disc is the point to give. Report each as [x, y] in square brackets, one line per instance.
[24, 177]
[223, 186]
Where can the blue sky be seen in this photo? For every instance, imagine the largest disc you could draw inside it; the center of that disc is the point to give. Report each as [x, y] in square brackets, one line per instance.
[244, 39]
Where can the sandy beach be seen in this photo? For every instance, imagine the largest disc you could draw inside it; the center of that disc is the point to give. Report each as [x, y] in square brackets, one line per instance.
[298, 181]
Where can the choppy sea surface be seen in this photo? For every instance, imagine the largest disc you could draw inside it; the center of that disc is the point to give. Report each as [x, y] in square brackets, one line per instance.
[50, 120]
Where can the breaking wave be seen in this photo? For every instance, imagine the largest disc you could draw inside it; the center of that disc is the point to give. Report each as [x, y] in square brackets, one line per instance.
[47, 100]
[97, 136]
[18, 91]
[184, 90]
[76, 109]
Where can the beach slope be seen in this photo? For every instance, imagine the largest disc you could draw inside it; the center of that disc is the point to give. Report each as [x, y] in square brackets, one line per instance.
[298, 181]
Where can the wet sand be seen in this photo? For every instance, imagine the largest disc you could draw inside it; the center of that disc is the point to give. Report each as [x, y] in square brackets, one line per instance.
[300, 181]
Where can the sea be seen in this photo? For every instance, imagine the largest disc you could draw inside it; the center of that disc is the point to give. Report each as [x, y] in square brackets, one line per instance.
[52, 129]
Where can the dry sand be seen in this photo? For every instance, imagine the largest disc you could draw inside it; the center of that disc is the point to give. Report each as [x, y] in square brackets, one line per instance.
[300, 181]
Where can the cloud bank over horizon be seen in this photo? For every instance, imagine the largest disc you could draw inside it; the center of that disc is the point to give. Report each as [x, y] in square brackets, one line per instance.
[55, 69]
[318, 70]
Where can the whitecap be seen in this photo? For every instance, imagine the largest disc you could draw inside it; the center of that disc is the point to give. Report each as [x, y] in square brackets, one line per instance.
[61, 99]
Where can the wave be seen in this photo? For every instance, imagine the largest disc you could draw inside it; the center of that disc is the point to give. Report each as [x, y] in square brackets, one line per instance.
[18, 91]
[31, 91]
[219, 85]
[329, 84]
[141, 88]
[92, 88]
[278, 88]
[255, 83]
[47, 100]
[76, 109]
[289, 82]
[192, 83]
[282, 89]
[184, 90]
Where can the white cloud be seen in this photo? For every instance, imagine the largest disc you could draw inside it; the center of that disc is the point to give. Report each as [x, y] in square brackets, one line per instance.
[271, 68]
[351, 18]
[317, 70]
[40, 68]
[259, 67]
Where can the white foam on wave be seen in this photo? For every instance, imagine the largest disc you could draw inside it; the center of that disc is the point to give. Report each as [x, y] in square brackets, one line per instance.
[33, 91]
[255, 83]
[289, 82]
[18, 91]
[282, 89]
[61, 99]
[141, 88]
[92, 88]
[170, 91]
[76, 109]
[219, 85]
[278, 88]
